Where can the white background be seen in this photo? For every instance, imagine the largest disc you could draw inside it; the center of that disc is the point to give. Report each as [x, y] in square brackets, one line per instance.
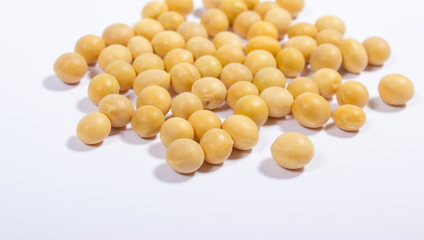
[366, 185]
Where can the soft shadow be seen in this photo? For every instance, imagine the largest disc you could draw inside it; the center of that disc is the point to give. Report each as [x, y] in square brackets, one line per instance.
[224, 107]
[207, 167]
[53, 83]
[347, 75]
[76, 145]
[158, 151]
[377, 104]
[85, 105]
[238, 154]
[289, 124]
[129, 136]
[172, 92]
[165, 174]
[199, 12]
[333, 130]
[116, 131]
[372, 68]
[271, 121]
[130, 95]
[307, 72]
[271, 169]
[224, 114]
[93, 71]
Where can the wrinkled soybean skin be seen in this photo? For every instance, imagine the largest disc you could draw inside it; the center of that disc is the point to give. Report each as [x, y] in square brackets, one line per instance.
[355, 58]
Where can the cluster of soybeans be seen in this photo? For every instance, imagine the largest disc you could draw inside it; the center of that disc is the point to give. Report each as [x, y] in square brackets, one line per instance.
[206, 66]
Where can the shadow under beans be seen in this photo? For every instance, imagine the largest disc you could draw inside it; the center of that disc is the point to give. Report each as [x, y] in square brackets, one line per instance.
[307, 72]
[377, 104]
[289, 124]
[224, 107]
[271, 121]
[116, 131]
[93, 71]
[207, 167]
[158, 151]
[165, 174]
[333, 130]
[130, 95]
[199, 12]
[131, 137]
[347, 75]
[76, 145]
[372, 68]
[238, 154]
[53, 83]
[271, 169]
[85, 105]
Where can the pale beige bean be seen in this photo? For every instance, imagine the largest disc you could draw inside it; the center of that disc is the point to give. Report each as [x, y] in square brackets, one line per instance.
[93, 128]
[175, 128]
[292, 150]
[185, 156]
[243, 131]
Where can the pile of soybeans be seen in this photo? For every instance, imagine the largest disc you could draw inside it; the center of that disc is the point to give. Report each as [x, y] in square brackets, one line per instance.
[206, 65]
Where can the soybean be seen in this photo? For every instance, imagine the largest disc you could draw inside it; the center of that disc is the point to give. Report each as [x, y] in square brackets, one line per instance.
[93, 128]
[185, 156]
[175, 128]
[211, 91]
[70, 68]
[183, 75]
[155, 96]
[243, 131]
[396, 89]
[292, 150]
[185, 104]
[311, 110]
[217, 145]
[147, 121]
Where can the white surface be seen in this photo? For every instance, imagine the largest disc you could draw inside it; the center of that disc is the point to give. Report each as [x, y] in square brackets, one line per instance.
[358, 186]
